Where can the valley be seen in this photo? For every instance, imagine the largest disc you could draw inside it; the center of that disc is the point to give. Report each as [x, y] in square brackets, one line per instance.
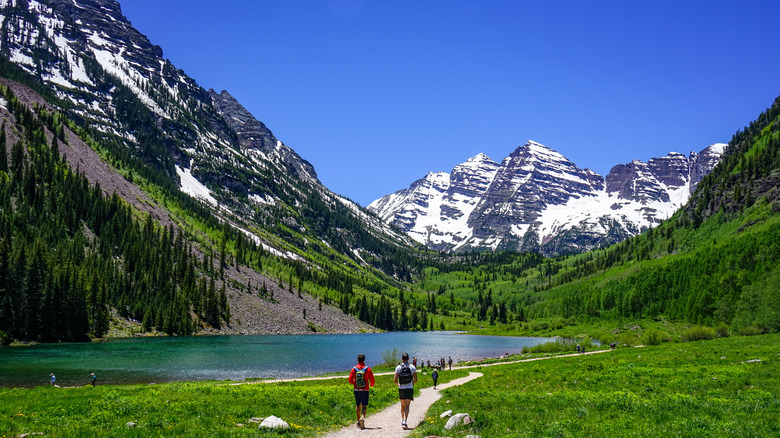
[136, 203]
[132, 195]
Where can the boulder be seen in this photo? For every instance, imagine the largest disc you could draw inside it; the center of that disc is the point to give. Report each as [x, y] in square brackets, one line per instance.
[457, 420]
[274, 422]
[446, 414]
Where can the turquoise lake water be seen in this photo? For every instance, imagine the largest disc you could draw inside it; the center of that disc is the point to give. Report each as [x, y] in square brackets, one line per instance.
[190, 358]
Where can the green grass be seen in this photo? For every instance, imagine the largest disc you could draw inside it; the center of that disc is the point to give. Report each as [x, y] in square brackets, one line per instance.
[721, 387]
[695, 389]
[189, 409]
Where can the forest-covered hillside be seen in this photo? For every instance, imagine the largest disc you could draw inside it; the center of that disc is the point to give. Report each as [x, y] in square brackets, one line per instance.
[81, 247]
[715, 262]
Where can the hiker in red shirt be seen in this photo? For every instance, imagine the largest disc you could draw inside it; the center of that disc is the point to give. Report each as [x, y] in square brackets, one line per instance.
[362, 378]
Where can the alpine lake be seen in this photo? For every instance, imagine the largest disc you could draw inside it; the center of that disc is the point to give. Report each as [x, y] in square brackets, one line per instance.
[194, 358]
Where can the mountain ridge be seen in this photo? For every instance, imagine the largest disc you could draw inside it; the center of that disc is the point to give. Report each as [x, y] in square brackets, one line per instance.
[536, 200]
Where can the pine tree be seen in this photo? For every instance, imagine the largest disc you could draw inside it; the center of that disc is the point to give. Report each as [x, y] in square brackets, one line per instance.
[224, 308]
[55, 149]
[3, 150]
[32, 303]
[263, 290]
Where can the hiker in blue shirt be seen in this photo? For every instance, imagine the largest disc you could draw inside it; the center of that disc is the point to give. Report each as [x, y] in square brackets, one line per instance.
[435, 377]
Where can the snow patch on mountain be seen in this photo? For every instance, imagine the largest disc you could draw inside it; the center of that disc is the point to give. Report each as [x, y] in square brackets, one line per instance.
[191, 186]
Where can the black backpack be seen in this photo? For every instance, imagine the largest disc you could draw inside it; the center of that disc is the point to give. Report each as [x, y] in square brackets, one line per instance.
[405, 374]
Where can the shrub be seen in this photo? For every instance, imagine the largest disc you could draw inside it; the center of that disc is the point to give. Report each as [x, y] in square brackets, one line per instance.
[655, 337]
[548, 347]
[5, 339]
[698, 333]
[390, 358]
[750, 330]
[628, 339]
[722, 330]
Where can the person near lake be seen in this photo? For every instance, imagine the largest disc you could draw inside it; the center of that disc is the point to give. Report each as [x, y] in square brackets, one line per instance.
[52, 379]
[362, 378]
[435, 377]
[94, 379]
[405, 377]
[450, 362]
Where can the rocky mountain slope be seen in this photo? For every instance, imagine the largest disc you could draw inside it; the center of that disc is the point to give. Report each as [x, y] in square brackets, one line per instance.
[149, 131]
[536, 199]
[112, 78]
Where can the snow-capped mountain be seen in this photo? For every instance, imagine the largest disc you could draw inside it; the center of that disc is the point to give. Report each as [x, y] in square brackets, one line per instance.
[537, 199]
[110, 77]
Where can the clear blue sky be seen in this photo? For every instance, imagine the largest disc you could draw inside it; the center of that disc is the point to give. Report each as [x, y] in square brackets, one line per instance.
[375, 94]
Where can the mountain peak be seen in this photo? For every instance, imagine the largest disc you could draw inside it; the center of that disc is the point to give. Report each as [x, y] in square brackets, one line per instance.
[480, 157]
[537, 199]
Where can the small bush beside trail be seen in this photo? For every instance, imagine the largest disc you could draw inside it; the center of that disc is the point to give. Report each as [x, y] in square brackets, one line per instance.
[698, 333]
[655, 337]
[750, 330]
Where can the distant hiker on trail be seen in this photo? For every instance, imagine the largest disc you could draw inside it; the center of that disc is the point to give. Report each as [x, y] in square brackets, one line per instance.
[414, 361]
[429, 363]
[52, 379]
[94, 379]
[362, 378]
[578, 348]
[450, 361]
[435, 377]
[405, 377]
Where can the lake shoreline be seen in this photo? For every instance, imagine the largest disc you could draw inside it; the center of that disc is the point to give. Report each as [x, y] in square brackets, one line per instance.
[236, 357]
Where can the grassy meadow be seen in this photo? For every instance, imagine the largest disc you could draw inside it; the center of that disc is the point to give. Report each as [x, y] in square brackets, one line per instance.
[720, 387]
[714, 388]
[197, 409]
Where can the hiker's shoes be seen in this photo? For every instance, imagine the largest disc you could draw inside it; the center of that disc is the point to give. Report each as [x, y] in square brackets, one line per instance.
[361, 424]
[403, 424]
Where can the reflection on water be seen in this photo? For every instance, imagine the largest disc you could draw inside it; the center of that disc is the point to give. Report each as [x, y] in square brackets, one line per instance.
[147, 360]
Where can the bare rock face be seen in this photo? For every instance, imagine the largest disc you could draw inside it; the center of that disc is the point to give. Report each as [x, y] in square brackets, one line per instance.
[636, 182]
[254, 135]
[673, 170]
[704, 162]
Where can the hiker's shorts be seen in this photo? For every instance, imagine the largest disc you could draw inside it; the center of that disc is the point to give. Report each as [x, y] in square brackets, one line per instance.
[406, 394]
[361, 397]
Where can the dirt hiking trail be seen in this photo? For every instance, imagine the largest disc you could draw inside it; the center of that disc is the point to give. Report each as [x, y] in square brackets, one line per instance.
[387, 423]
